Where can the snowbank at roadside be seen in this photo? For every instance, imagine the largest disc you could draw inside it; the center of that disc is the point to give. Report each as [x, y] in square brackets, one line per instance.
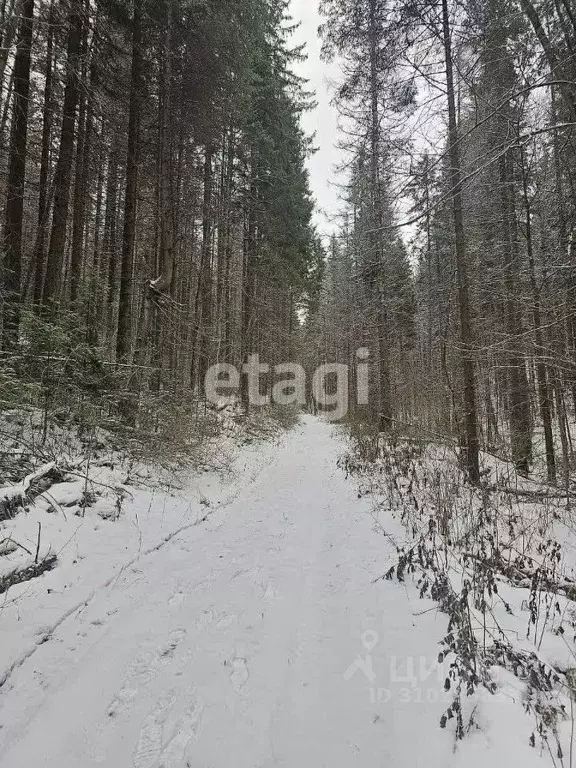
[99, 520]
[500, 562]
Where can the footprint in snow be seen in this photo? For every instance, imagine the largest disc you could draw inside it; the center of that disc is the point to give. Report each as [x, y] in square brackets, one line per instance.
[174, 640]
[226, 621]
[187, 728]
[177, 599]
[150, 742]
[142, 670]
[240, 674]
[269, 592]
[139, 674]
[205, 619]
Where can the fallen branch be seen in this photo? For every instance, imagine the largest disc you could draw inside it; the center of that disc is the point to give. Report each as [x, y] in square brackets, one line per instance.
[537, 495]
[5, 546]
[14, 497]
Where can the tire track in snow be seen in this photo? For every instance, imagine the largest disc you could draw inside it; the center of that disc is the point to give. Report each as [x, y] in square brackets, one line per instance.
[52, 628]
[85, 602]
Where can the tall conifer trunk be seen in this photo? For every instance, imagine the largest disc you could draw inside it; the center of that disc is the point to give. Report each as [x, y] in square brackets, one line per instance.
[12, 266]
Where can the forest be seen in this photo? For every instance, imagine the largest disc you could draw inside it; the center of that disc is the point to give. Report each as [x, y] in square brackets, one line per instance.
[157, 212]
[160, 233]
[466, 110]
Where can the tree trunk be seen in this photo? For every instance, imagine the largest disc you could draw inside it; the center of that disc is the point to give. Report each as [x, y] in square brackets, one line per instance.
[63, 173]
[163, 283]
[12, 267]
[541, 370]
[9, 28]
[376, 257]
[81, 177]
[249, 277]
[520, 421]
[472, 446]
[124, 337]
[109, 263]
[204, 294]
[43, 196]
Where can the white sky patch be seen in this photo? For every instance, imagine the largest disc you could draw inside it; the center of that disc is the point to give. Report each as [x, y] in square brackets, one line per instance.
[322, 121]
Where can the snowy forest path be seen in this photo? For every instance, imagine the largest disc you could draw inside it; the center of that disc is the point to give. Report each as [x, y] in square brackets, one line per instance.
[259, 640]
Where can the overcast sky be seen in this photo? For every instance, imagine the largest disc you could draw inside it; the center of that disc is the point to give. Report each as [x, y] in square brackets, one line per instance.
[324, 119]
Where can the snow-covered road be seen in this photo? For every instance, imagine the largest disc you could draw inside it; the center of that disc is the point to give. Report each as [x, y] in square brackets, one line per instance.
[258, 639]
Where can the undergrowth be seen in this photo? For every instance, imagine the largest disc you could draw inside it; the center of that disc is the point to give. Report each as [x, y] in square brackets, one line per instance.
[496, 559]
[63, 401]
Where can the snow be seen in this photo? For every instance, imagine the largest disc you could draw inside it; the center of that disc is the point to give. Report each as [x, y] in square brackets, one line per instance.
[15, 491]
[238, 623]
